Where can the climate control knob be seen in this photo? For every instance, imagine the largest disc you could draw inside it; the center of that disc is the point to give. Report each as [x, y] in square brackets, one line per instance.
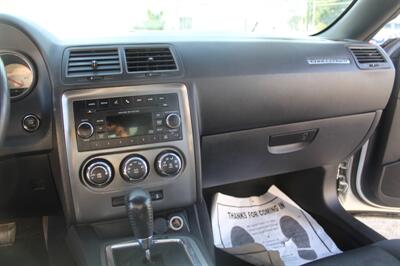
[168, 163]
[134, 168]
[85, 130]
[98, 173]
[173, 120]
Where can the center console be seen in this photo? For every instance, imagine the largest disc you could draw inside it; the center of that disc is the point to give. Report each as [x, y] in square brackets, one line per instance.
[120, 138]
[130, 150]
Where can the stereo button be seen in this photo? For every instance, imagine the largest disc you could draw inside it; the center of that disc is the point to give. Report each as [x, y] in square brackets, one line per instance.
[161, 98]
[100, 121]
[104, 103]
[150, 99]
[159, 122]
[159, 115]
[164, 137]
[116, 101]
[100, 129]
[92, 104]
[85, 130]
[138, 99]
[127, 100]
[101, 135]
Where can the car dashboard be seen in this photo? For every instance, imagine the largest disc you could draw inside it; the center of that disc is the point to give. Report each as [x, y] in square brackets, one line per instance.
[178, 114]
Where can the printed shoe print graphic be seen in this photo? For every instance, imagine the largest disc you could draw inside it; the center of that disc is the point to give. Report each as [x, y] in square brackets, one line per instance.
[240, 237]
[293, 230]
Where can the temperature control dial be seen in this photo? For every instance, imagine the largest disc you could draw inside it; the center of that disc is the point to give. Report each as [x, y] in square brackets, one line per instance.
[98, 173]
[168, 163]
[134, 168]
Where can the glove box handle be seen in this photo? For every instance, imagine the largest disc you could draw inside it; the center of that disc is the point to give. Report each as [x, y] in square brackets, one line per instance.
[291, 142]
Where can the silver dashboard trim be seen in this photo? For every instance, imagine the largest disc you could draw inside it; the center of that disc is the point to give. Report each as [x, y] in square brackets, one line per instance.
[193, 252]
[359, 175]
[86, 200]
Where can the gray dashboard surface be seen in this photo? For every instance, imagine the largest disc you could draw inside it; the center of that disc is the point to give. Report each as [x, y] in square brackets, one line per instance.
[245, 82]
[238, 83]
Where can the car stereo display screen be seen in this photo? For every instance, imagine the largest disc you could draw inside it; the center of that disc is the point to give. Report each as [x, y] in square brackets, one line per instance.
[128, 125]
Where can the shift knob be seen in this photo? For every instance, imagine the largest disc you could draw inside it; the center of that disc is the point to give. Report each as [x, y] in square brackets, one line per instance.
[140, 216]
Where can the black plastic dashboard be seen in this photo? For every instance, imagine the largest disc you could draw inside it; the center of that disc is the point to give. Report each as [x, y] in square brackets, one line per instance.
[242, 91]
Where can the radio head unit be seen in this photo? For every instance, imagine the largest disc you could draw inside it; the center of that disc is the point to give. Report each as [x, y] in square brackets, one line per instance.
[127, 121]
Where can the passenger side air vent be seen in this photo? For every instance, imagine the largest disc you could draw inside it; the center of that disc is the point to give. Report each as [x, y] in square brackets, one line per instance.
[150, 59]
[93, 62]
[369, 57]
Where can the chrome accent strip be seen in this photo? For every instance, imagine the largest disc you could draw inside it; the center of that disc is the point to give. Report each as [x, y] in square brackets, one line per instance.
[146, 243]
[134, 243]
[31, 67]
[328, 61]
[171, 224]
[359, 177]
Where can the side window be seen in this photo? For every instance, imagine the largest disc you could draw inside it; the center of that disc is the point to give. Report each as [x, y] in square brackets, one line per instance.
[390, 31]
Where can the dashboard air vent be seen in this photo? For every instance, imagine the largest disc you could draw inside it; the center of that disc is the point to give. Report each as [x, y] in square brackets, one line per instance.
[93, 62]
[150, 59]
[369, 57]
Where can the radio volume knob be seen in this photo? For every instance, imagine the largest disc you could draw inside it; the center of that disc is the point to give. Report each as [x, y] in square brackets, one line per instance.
[134, 168]
[173, 121]
[85, 130]
[168, 163]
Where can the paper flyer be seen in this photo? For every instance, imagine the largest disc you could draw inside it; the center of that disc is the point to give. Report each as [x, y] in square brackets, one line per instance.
[272, 221]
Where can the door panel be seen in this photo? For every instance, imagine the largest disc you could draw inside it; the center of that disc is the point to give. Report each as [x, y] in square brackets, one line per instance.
[380, 182]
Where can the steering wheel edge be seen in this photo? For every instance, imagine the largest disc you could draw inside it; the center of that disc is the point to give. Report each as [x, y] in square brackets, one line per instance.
[4, 103]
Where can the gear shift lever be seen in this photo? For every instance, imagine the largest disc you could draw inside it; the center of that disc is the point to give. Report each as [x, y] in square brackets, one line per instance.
[140, 216]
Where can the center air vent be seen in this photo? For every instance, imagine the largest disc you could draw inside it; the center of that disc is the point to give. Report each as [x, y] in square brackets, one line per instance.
[150, 59]
[369, 57]
[93, 62]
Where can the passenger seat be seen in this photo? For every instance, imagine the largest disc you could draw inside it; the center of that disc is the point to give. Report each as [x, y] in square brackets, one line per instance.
[385, 252]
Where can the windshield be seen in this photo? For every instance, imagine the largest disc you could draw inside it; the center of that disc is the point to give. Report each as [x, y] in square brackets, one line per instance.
[94, 18]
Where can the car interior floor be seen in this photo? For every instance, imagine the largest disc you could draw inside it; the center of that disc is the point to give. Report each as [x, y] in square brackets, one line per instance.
[314, 190]
[29, 247]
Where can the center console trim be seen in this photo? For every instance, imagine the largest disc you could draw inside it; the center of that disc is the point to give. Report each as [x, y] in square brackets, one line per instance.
[195, 255]
[87, 201]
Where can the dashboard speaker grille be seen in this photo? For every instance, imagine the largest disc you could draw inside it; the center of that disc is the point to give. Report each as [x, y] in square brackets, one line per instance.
[93, 62]
[368, 57]
[150, 59]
